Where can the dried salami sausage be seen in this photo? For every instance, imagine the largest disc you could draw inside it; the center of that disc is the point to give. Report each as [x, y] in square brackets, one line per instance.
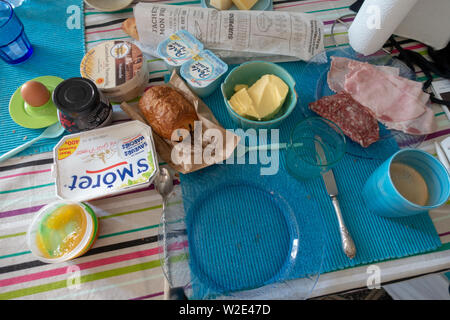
[353, 118]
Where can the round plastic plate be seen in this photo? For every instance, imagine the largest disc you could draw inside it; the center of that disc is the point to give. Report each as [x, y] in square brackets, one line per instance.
[317, 73]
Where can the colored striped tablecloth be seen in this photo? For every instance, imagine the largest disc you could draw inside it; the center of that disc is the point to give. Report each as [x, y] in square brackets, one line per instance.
[124, 261]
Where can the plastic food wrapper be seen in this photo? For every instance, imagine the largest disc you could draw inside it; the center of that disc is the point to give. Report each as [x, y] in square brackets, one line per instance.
[234, 36]
[218, 150]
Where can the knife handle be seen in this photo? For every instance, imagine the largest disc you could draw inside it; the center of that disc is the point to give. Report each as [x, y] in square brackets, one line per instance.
[347, 242]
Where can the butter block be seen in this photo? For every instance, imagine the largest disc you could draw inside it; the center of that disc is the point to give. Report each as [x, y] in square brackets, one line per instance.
[239, 87]
[268, 95]
[244, 4]
[243, 104]
[221, 4]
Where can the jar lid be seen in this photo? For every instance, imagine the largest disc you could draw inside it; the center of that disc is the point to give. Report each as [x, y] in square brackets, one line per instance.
[76, 95]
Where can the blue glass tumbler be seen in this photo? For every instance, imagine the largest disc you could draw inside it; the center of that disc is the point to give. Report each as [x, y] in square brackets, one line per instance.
[302, 158]
[14, 44]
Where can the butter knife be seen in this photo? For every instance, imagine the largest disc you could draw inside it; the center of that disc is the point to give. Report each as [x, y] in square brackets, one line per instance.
[330, 184]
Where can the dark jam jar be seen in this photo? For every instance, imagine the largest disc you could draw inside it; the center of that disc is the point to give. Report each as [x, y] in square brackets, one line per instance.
[81, 105]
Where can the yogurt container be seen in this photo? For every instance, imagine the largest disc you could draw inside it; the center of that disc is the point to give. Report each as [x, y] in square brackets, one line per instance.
[178, 49]
[57, 236]
[118, 68]
[105, 162]
[203, 72]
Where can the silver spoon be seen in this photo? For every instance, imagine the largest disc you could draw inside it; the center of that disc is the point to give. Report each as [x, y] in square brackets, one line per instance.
[164, 186]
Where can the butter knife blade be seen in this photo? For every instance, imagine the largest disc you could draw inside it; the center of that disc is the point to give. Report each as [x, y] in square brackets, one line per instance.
[328, 177]
[330, 183]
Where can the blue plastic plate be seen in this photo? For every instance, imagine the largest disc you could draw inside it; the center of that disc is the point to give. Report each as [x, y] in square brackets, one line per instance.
[245, 233]
[237, 245]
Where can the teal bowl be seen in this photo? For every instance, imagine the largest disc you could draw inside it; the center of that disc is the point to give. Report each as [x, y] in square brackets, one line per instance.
[248, 73]
[262, 5]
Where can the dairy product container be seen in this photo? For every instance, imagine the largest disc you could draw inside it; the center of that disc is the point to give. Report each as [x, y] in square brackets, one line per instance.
[118, 68]
[203, 72]
[39, 234]
[178, 49]
[104, 162]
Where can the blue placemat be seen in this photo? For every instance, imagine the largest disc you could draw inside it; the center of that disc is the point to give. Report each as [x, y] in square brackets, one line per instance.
[56, 32]
[376, 238]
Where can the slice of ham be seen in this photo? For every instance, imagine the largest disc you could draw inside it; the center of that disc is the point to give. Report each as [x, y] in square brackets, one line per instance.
[340, 67]
[390, 98]
[425, 124]
[397, 102]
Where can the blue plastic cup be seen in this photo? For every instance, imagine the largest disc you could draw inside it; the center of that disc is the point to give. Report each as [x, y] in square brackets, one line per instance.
[302, 158]
[14, 44]
[382, 197]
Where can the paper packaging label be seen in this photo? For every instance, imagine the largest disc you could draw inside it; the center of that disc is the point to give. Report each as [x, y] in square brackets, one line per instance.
[293, 34]
[106, 161]
[112, 63]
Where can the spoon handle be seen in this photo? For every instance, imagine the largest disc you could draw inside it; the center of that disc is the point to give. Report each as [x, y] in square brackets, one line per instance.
[272, 147]
[166, 249]
[15, 151]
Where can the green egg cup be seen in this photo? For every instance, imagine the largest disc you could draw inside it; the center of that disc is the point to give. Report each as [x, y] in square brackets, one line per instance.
[35, 117]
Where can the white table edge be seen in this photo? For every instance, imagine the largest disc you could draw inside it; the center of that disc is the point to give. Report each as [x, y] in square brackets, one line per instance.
[389, 271]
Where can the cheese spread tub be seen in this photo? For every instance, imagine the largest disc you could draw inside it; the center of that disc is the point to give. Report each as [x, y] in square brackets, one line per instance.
[118, 69]
[104, 162]
[203, 72]
[178, 49]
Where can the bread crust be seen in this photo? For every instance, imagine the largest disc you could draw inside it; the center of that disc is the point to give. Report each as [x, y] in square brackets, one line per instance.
[167, 110]
[129, 27]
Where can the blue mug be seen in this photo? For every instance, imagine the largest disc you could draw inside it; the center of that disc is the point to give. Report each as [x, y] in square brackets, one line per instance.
[382, 197]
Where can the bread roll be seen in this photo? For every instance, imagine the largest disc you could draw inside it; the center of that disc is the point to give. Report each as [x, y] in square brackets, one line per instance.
[129, 27]
[167, 110]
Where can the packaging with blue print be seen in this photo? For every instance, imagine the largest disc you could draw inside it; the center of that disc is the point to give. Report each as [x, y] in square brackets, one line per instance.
[105, 161]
